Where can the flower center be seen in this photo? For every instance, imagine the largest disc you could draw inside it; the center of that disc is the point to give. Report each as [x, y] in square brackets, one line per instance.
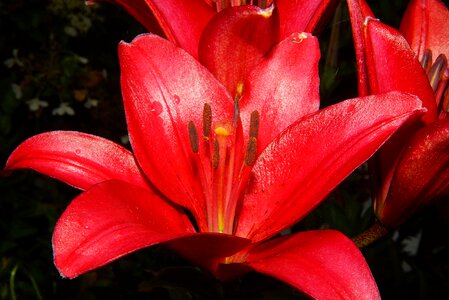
[223, 165]
[222, 4]
[438, 75]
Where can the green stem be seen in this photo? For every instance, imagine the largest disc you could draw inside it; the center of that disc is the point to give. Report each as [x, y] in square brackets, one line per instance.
[372, 234]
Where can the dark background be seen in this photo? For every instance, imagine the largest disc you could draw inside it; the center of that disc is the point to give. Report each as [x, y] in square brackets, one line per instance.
[67, 53]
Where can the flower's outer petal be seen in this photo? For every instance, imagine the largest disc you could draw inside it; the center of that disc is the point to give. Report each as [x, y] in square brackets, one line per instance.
[164, 89]
[110, 220]
[235, 41]
[422, 175]
[303, 15]
[76, 158]
[300, 167]
[392, 66]
[424, 25]
[208, 249]
[182, 21]
[283, 87]
[139, 9]
[358, 12]
[324, 264]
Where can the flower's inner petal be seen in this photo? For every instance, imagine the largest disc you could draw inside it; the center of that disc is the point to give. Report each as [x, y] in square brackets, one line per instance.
[208, 249]
[76, 158]
[424, 25]
[110, 220]
[300, 167]
[422, 174]
[234, 42]
[165, 89]
[283, 87]
[324, 264]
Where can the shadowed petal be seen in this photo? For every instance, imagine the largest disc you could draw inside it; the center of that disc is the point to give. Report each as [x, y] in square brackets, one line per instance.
[283, 87]
[422, 174]
[164, 89]
[234, 42]
[76, 158]
[303, 15]
[324, 264]
[300, 167]
[424, 25]
[110, 220]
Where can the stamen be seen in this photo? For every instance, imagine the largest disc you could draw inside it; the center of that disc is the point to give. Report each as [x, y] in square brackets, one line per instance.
[446, 101]
[436, 71]
[207, 120]
[215, 154]
[251, 151]
[426, 60]
[236, 112]
[254, 124]
[193, 137]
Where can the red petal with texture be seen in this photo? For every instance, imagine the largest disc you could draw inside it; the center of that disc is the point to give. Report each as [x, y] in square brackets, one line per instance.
[76, 158]
[164, 89]
[324, 264]
[208, 249]
[234, 42]
[424, 25]
[283, 87]
[110, 220]
[139, 9]
[422, 175]
[303, 15]
[358, 11]
[300, 167]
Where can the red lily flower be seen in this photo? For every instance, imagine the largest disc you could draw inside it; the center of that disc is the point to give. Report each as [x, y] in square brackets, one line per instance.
[245, 169]
[232, 42]
[411, 169]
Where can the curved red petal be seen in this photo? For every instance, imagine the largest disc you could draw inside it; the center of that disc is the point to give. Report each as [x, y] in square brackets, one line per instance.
[358, 12]
[283, 87]
[110, 220]
[164, 89]
[324, 264]
[424, 25]
[139, 9]
[392, 66]
[300, 167]
[208, 249]
[303, 15]
[235, 41]
[422, 175]
[76, 158]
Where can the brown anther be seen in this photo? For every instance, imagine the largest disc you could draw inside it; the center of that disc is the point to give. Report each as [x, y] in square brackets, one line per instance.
[251, 151]
[236, 111]
[437, 70]
[193, 137]
[215, 154]
[426, 60]
[254, 124]
[207, 120]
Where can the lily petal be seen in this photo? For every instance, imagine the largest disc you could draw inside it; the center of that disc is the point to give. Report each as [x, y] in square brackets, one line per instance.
[422, 174]
[182, 21]
[110, 220]
[301, 15]
[324, 264]
[300, 167]
[76, 158]
[283, 87]
[358, 12]
[164, 89]
[234, 41]
[392, 66]
[424, 25]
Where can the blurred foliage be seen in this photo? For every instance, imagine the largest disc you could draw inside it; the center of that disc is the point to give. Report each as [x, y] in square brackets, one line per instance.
[59, 70]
